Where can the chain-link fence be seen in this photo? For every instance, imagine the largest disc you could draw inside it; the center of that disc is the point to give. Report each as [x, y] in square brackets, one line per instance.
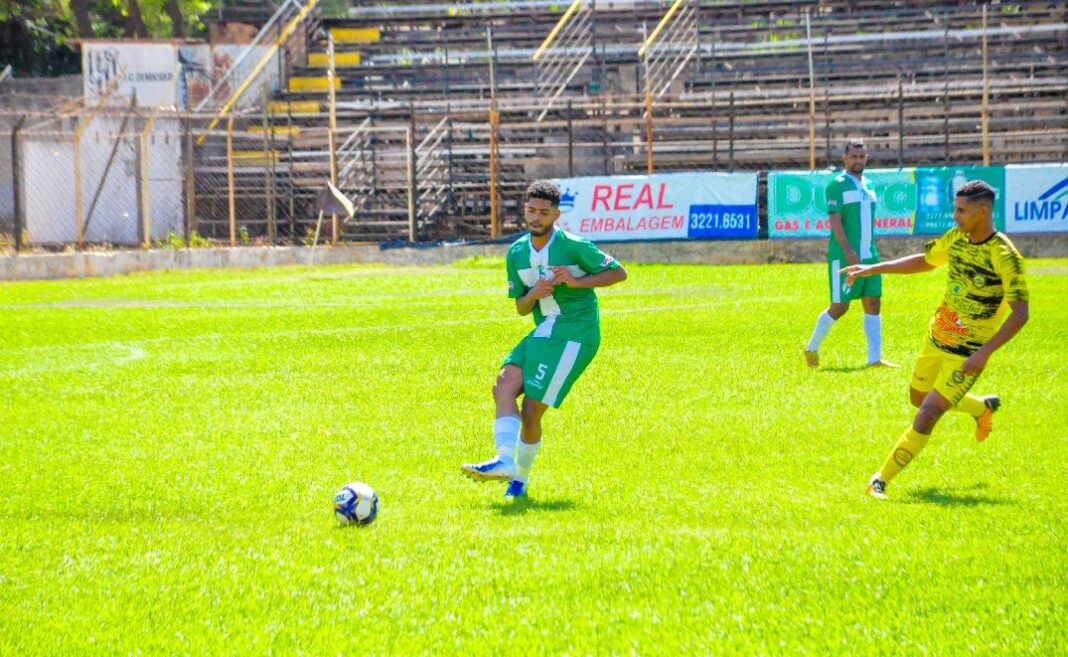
[131, 177]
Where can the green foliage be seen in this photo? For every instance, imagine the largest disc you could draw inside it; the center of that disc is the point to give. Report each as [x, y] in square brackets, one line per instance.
[171, 442]
[178, 242]
[35, 34]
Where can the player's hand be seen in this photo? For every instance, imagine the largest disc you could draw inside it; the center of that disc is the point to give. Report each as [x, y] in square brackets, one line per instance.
[542, 288]
[851, 257]
[975, 364]
[854, 271]
[562, 276]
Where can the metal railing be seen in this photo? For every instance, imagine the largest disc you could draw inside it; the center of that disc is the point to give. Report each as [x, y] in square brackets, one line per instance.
[670, 47]
[564, 52]
[433, 171]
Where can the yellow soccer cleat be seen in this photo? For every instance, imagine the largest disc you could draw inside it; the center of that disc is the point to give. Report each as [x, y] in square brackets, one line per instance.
[983, 423]
[812, 358]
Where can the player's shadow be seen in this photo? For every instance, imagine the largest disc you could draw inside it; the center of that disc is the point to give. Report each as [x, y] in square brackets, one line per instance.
[964, 497]
[519, 507]
[838, 369]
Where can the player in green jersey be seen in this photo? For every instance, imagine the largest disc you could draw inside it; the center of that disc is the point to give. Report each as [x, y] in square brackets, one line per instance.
[986, 273]
[551, 274]
[851, 209]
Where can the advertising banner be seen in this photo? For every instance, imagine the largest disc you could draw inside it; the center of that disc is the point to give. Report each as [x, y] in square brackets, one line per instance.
[909, 201]
[660, 206]
[797, 202]
[149, 68]
[174, 75]
[937, 186]
[1036, 199]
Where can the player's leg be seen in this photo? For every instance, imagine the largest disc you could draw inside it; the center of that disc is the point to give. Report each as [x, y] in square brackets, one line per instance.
[924, 374]
[838, 307]
[552, 368]
[911, 443]
[940, 374]
[508, 387]
[956, 386]
[527, 448]
[873, 321]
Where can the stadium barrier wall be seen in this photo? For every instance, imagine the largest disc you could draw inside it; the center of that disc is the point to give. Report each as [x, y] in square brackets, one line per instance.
[731, 252]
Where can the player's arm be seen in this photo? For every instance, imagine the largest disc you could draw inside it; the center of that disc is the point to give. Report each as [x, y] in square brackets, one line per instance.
[524, 305]
[913, 264]
[838, 230]
[562, 276]
[1013, 323]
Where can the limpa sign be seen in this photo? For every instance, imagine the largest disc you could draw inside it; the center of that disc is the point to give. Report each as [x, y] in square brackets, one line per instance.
[658, 207]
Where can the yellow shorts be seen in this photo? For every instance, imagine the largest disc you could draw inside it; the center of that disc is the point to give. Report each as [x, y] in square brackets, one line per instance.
[941, 371]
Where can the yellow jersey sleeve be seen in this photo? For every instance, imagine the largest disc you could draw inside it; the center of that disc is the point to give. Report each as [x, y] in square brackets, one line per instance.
[936, 251]
[1009, 265]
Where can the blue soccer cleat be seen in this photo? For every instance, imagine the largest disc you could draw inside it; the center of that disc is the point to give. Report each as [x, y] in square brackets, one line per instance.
[517, 490]
[492, 470]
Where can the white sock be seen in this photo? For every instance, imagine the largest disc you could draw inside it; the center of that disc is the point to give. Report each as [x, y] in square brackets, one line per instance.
[505, 435]
[873, 329]
[524, 459]
[823, 325]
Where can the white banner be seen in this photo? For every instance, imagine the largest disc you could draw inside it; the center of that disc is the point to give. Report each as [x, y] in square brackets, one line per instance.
[149, 68]
[173, 75]
[660, 206]
[1036, 198]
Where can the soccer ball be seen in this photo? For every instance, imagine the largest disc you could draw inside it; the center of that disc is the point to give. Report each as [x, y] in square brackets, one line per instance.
[356, 504]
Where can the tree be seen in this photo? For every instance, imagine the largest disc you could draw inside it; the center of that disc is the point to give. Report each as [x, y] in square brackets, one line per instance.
[135, 24]
[37, 37]
[177, 20]
[84, 23]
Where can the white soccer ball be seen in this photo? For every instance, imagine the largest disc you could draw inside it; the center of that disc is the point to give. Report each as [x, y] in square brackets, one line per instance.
[356, 504]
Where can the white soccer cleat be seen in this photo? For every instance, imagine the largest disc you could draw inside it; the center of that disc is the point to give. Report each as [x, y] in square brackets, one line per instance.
[492, 470]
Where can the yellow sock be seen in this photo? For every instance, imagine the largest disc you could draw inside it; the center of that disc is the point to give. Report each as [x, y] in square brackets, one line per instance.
[907, 447]
[971, 405]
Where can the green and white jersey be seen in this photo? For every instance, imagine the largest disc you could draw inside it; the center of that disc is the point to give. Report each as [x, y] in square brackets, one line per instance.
[851, 198]
[569, 313]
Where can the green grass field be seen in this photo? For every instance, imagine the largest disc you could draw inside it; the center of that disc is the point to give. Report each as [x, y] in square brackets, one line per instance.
[171, 443]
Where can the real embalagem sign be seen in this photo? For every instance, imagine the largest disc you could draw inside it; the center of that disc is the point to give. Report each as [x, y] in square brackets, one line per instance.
[660, 206]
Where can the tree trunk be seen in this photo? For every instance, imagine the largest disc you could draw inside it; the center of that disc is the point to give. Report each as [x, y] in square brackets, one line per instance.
[84, 23]
[135, 25]
[177, 21]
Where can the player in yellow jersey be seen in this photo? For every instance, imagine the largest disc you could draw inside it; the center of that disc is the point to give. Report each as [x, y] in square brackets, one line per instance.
[986, 273]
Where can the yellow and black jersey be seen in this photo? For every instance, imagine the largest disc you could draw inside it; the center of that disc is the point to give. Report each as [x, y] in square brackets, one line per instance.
[983, 278]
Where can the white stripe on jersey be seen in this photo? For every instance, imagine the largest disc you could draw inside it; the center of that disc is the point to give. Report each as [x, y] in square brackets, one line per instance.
[563, 369]
[545, 329]
[836, 287]
[539, 262]
[867, 206]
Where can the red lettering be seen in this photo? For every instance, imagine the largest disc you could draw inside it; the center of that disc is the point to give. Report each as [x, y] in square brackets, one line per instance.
[642, 224]
[644, 196]
[678, 222]
[602, 193]
[621, 196]
[660, 199]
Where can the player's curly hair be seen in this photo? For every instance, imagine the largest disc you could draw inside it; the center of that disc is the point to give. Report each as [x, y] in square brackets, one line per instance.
[546, 190]
[977, 190]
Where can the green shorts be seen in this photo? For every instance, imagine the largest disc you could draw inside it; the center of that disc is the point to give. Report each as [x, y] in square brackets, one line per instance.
[872, 286]
[550, 366]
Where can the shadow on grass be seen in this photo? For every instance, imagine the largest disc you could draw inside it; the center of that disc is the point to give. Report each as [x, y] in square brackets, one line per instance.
[965, 497]
[519, 507]
[844, 368]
